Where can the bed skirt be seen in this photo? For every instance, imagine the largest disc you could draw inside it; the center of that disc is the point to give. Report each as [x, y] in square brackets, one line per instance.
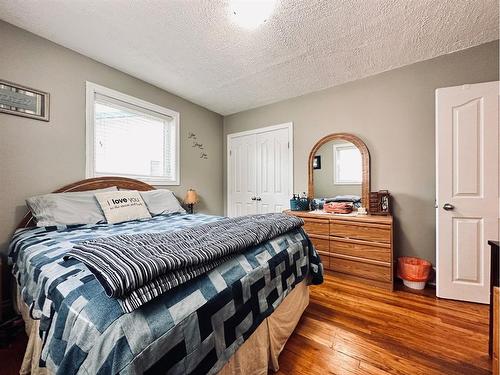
[258, 354]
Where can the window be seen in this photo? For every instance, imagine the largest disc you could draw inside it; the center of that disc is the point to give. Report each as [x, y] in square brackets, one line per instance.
[132, 138]
[347, 163]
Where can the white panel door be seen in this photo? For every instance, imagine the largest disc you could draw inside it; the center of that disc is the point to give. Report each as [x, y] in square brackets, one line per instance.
[260, 170]
[467, 189]
[242, 176]
[273, 172]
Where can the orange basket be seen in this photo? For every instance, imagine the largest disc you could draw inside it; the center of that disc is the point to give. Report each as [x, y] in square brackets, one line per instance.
[413, 269]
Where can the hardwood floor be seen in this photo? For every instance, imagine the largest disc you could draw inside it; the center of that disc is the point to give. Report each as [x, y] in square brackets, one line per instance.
[349, 328]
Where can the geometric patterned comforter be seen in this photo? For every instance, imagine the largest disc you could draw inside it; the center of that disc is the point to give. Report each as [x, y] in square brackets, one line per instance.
[192, 329]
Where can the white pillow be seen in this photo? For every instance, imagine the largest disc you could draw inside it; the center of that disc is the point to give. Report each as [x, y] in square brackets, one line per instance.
[119, 206]
[67, 208]
[161, 201]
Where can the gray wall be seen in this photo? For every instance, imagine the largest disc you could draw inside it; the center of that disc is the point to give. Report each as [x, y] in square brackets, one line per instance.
[37, 157]
[393, 113]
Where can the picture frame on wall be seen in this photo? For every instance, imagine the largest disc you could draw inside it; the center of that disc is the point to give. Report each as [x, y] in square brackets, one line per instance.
[317, 162]
[23, 101]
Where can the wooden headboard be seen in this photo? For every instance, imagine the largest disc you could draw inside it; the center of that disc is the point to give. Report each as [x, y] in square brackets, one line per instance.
[92, 184]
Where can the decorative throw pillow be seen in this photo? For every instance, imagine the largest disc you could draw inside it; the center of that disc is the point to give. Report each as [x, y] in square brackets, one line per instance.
[161, 202]
[67, 208]
[119, 206]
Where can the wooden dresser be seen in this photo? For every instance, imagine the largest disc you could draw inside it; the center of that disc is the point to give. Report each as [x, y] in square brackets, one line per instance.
[496, 330]
[359, 247]
[494, 306]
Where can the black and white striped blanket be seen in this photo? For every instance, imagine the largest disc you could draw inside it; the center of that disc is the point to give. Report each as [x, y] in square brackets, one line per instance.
[139, 267]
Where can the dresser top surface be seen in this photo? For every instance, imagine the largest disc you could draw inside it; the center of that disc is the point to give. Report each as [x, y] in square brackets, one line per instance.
[325, 216]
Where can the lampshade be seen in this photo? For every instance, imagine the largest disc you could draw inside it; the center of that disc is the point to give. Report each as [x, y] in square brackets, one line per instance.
[191, 197]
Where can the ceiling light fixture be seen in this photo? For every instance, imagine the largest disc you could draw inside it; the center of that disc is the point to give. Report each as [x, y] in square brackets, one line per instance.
[249, 14]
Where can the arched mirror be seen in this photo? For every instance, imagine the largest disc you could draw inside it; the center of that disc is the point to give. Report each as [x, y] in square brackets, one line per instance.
[339, 169]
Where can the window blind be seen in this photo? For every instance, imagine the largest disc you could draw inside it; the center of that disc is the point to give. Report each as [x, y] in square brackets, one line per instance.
[132, 141]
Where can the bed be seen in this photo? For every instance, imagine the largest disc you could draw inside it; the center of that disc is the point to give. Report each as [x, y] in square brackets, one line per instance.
[233, 320]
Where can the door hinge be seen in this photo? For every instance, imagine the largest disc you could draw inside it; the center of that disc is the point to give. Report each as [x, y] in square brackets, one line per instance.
[230, 152]
[288, 144]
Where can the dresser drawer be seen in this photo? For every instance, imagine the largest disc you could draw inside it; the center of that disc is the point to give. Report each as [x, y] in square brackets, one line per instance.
[361, 231]
[322, 245]
[360, 269]
[326, 261]
[317, 226]
[360, 249]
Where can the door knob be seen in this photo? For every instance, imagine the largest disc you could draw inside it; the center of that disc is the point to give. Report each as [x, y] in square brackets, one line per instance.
[253, 198]
[448, 207]
[259, 198]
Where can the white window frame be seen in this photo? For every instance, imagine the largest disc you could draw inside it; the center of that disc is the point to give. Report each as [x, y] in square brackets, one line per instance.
[91, 90]
[336, 148]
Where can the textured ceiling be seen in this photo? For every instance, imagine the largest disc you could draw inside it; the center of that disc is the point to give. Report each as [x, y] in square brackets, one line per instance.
[193, 49]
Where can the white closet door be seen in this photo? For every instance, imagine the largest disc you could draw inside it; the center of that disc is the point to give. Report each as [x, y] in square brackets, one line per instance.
[467, 189]
[273, 171]
[260, 170]
[242, 176]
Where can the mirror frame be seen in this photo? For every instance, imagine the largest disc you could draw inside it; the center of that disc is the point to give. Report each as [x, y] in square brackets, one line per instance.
[365, 156]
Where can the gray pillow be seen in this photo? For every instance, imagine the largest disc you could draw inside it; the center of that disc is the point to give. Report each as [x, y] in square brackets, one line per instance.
[161, 201]
[67, 208]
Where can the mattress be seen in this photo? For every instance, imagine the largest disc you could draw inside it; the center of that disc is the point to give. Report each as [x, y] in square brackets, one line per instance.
[195, 328]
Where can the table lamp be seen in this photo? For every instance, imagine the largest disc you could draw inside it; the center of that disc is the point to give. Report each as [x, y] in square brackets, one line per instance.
[191, 199]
